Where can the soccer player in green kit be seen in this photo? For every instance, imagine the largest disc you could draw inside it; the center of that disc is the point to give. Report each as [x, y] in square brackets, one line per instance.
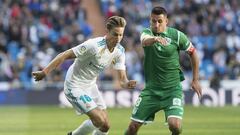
[163, 90]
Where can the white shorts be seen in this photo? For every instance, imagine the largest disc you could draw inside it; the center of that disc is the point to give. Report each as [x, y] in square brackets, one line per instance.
[84, 99]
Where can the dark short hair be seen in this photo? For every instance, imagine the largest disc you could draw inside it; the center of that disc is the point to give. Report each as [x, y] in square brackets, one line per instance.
[159, 10]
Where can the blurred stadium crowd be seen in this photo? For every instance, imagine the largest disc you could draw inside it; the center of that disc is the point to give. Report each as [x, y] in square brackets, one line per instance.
[32, 32]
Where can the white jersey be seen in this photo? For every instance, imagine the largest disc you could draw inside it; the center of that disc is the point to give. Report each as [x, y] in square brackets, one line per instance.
[93, 57]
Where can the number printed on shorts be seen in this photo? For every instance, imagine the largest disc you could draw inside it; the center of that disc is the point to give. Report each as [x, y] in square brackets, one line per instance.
[85, 98]
[138, 101]
[135, 108]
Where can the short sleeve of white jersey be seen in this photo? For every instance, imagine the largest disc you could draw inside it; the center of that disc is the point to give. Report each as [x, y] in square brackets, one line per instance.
[84, 50]
[119, 62]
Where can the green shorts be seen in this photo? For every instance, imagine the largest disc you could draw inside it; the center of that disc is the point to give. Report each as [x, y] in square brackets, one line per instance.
[147, 105]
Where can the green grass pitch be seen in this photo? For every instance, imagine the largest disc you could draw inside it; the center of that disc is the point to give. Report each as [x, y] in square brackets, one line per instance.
[52, 120]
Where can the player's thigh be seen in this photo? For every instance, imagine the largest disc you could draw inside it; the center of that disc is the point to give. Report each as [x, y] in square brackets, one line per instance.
[145, 109]
[99, 114]
[96, 114]
[97, 117]
[106, 124]
[105, 115]
[174, 105]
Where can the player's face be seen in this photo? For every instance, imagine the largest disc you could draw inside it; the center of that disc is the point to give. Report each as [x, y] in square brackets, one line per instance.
[158, 23]
[115, 35]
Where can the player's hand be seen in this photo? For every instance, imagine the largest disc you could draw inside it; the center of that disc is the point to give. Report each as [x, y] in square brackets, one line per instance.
[197, 88]
[38, 75]
[131, 84]
[161, 40]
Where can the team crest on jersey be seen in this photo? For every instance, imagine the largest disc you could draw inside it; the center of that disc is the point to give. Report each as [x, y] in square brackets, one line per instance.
[82, 49]
[166, 41]
[114, 61]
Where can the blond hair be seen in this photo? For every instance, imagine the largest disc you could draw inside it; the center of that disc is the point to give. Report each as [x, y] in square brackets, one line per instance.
[115, 21]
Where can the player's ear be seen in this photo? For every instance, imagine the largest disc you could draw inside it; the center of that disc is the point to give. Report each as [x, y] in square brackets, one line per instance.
[166, 20]
[106, 30]
[150, 19]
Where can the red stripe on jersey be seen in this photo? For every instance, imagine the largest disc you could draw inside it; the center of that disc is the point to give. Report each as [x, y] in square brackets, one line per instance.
[191, 50]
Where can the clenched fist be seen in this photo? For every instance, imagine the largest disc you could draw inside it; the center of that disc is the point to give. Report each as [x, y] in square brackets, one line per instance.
[131, 84]
[38, 75]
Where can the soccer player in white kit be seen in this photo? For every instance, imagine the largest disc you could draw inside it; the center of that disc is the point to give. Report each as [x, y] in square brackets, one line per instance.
[92, 57]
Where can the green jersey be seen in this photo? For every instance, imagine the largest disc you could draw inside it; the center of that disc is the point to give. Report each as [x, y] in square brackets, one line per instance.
[161, 62]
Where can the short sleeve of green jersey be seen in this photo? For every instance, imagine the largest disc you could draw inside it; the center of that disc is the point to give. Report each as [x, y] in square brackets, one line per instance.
[183, 41]
[146, 33]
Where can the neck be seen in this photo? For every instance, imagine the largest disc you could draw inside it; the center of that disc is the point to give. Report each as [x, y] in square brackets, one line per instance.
[110, 46]
[161, 31]
[164, 29]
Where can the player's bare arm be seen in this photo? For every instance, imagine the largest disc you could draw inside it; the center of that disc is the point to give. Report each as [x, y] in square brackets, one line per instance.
[124, 82]
[57, 61]
[148, 41]
[195, 81]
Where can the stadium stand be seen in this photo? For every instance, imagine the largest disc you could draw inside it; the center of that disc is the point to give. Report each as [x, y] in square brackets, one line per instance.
[32, 32]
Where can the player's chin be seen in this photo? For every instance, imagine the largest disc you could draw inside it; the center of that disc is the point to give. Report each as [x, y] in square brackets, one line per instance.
[115, 43]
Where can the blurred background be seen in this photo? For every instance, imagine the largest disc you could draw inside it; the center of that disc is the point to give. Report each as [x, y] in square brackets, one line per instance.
[33, 32]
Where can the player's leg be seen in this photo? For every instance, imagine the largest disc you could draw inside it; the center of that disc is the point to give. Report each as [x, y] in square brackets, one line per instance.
[174, 111]
[175, 125]
[143, 113]
[85, 128]
[97, 97]
[133, 128]
[104, 125]
[96, 121]
[83, 103]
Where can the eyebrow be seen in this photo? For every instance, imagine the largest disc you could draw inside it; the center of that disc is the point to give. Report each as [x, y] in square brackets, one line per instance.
[157, 19]
[115, 33]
